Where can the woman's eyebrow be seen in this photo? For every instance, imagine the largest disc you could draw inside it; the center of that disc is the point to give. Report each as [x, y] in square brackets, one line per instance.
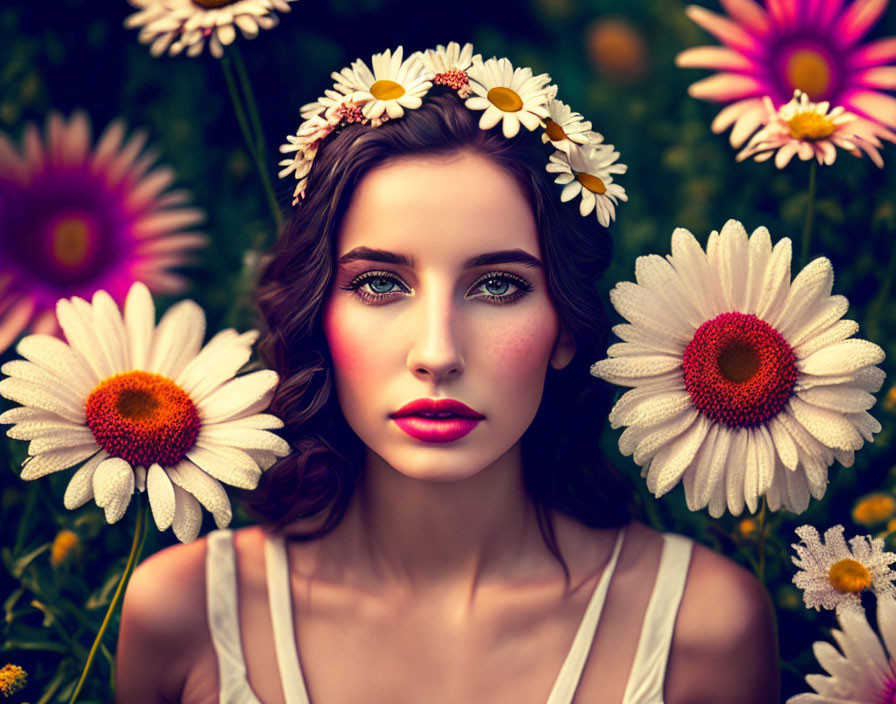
[506, 256]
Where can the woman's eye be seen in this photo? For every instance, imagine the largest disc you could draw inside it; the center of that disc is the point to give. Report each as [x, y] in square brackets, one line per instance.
[501, 288]
[381, 284]
[376, 286]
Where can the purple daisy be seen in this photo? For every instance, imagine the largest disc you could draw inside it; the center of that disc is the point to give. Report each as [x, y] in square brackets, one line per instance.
[76, 219]
[810, 45]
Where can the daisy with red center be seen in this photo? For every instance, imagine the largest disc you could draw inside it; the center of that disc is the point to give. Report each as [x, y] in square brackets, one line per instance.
[862, 670]
[807, 130]
[148, 407]
[745, 383]
[786, 45]
[75, 219]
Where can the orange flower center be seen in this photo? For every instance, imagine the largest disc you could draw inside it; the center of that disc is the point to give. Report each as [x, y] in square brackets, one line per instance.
[592, 183]
[386, 90]
[808, 70]
[505, 99]
[811, 126]
[849, 576]
[554, 131]
[143, 418]
[70, 240]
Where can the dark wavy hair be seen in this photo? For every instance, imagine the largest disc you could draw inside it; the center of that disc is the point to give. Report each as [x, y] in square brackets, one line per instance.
[563, 466]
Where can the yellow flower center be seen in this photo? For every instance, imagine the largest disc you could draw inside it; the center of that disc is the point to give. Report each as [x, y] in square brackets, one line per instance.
[387, 90]
[811, 126]
[808, 70]
[874, 509]
[505, 99]
[70, 240]
[849, 576]
[65, 542]
[214, 3]
[143, 418]
[554, 131]
[592, 183]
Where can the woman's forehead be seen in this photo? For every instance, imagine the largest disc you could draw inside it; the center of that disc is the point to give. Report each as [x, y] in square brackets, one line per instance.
[461, 203]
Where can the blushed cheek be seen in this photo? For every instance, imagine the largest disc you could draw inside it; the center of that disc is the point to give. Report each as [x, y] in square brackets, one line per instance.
[522, 351]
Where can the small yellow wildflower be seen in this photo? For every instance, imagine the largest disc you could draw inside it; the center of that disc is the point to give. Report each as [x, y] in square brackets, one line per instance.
[65, 543]
[873, 509]
[12, 679]
[891, 525]
[890, 400]
[748, 528]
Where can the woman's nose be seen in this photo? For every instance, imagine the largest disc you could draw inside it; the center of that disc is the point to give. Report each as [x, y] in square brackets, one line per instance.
[435, 353]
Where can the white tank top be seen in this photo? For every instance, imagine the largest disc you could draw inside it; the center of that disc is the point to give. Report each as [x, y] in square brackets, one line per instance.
[645, 683]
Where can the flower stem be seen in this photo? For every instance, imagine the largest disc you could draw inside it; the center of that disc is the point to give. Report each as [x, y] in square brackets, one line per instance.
[136, 549]
[255, 144]
[761, 548]
[810, 212]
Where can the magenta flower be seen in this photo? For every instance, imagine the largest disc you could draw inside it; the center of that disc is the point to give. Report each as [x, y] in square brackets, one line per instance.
[810, 45]
[76, 219]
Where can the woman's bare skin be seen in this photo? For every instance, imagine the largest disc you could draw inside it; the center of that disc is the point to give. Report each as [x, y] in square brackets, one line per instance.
[505, 641]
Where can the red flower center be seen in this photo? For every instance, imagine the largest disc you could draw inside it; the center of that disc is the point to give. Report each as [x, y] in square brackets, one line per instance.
[739, 370]
[143, 418]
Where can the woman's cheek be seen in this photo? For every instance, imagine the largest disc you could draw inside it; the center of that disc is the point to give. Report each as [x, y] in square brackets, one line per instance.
[521, 349]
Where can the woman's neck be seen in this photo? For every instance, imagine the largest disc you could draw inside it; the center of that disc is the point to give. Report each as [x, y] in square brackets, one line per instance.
[421, 534]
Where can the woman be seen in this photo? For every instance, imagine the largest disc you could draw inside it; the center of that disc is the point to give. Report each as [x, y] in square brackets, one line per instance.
[441, 532]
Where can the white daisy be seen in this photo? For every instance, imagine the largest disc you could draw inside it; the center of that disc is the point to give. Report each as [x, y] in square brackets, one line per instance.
[145, 407]
[833, 576]
[862, 671]
[565, 129]
[447, 66]
[512, 96]
[745, 383]
[176, 25]
[807, 130]
[588, 171]
[393, 85]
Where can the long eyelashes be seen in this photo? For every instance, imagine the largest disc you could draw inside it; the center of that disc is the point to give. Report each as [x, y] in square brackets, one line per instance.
[499, 287]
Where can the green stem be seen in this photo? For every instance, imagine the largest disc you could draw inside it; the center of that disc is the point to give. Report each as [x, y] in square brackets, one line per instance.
[136, 548]
[810, 212]
[761, 548]
[254, 143]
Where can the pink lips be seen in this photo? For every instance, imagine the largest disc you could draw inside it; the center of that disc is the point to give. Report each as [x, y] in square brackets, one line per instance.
[436, 420]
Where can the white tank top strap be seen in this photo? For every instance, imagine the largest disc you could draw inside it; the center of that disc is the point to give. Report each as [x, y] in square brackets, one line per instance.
[645, 682]
[223, 619]
[280, 601]
[568, 680]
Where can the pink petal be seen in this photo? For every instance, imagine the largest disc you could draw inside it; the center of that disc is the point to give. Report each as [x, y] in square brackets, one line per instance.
[730, 113]
[718, 57]
[749, 14]
[783, 12]
[873, 105]
[785, 154]
[878, 77]
[858, 19]
[15, 320]
[874, 53]
[724, 87]
[723, 29]
[829, 9]
[747, 124]
[45, 323]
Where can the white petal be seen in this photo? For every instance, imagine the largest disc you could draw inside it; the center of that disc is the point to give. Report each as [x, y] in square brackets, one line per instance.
[842, 358]
[222, 464]
[243, 438]
[81, 335]
[41, 397]
[57, 357]
[829, 427]
[838, 398]
[626, 368]
[812, 283]
[659, 435]
[49, 462]
[177, 339]
[742, 456]
[32, 373]
[214, 365]
[139, 321]
[734, 261]
[75, 437]
[80, 487]
[784, 444]
[674, 458]
[113, 485]
[238, 395]
[187, 516]
[710, 479]
[161, 496]
[840, 330]
[109, 331]
[207, 490]
[776, 283]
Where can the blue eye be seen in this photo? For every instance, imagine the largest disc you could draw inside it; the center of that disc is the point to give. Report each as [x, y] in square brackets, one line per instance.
[500, 287]
[376, 286]
[381, 284]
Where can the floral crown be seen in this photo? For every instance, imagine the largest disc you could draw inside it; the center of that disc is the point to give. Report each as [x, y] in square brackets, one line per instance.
[584, 164]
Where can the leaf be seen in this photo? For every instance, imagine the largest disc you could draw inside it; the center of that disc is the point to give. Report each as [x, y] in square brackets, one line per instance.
[17, 565]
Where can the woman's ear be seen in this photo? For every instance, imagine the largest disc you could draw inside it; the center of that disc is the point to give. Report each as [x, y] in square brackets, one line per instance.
[564, 350]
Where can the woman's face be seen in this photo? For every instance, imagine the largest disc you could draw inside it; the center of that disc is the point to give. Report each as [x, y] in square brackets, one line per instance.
[439, 296]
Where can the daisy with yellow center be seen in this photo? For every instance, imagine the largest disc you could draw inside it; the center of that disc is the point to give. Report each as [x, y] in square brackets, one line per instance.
[511, 96]
[566, 129]
[143, 407]
[833, 575]
[178, 25]
[392, 85]
[447, 66]
[589, 172]
[806, 129]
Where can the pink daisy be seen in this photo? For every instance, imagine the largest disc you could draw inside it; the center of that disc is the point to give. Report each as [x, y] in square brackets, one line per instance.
[76, 219]
[807, 129]
[810, 45]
